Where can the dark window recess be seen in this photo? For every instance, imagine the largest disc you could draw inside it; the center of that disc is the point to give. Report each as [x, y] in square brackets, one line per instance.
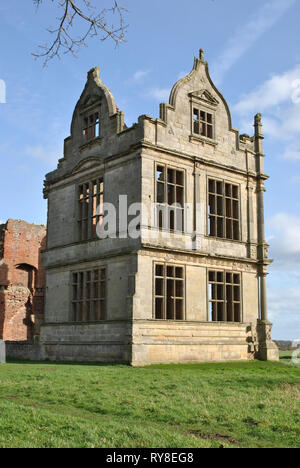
[170, 198]
[203, 123]
[26, 276]
[89, 296]
[224, 296]
[223, 210]
[91, 127]
[169, 292]
[90, 209]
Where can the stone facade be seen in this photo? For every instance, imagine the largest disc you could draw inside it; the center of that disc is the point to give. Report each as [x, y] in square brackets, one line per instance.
[22, 280]
[2, 352]
[189, 295]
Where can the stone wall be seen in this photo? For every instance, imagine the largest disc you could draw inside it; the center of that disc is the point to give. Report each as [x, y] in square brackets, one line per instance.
[101, 342]
[188, 342]
[23, 351]
[2, 352]
[127, 161]
[22, 280]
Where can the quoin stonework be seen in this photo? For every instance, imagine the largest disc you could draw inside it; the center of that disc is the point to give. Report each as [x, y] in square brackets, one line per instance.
[191, 286]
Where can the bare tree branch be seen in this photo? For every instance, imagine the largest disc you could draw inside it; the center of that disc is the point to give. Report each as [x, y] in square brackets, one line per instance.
[96, 24]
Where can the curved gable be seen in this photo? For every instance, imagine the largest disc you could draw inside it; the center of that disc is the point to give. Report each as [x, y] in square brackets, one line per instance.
[95, 94]
[199, 85]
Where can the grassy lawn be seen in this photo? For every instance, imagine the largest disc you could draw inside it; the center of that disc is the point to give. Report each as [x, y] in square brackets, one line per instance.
[251, 404]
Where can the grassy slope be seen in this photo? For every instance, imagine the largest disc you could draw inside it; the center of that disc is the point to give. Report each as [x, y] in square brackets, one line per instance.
[58, 405]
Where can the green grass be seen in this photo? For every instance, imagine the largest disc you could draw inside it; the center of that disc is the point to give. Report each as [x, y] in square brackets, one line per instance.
[251, 404]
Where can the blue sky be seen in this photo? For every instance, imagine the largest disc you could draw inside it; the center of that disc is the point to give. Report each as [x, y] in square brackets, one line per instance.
[253, 51]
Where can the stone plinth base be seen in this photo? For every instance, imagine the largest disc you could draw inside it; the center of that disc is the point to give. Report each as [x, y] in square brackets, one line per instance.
[23, 351]
[159, 342]
[267, 349]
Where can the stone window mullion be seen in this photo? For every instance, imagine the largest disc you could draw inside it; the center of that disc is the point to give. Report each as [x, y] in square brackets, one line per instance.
[203, 123]
[223, 223]
[91, 126]
[90, 210]
[170, 190]
[224, 296]
[88, 305]
[169, 294]
[90, 195]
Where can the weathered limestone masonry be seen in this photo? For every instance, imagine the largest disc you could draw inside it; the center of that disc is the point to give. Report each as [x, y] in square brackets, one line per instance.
[2, 352]
[197, 293]
[21, 280]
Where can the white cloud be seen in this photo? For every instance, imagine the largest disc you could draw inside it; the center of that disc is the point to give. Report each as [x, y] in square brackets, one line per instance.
[284, 280]
[277, 90]
[140, 74]
[284, 308]
[49, 155]
[285, 241]
[266, 17]
[284, 299]
[278, 98]
[292, 152]
[161, 94]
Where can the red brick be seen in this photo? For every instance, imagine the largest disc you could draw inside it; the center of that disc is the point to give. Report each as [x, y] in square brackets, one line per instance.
[22, 280]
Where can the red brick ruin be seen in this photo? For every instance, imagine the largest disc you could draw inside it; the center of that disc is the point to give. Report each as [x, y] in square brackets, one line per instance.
[22, 280]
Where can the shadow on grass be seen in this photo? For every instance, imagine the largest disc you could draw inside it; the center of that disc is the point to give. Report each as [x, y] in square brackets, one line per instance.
[215, 366]
[68, 363]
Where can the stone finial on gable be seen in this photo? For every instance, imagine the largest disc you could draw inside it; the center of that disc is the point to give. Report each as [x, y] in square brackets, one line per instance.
[258, 135]
[94, 74]
[94, 78]
[258, 118]
[258, 125]
[201, 55]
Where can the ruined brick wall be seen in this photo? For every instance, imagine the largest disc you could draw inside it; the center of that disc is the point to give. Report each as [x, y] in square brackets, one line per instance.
[22, 280]
[3, 279]
[2, 231]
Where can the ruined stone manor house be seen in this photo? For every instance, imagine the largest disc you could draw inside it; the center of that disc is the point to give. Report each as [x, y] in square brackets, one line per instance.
[191, 286]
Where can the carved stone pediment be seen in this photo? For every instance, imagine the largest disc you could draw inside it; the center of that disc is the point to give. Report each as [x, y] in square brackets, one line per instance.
[86, 164]
[90, 101]
[205, 96]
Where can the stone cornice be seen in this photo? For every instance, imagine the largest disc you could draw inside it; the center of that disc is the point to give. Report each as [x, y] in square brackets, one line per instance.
[203, 140]
[161, 149]
[203, 161]
[194, 253]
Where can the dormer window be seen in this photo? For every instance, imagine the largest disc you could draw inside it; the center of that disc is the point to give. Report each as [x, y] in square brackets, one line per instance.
[203, 123]
[91, 127]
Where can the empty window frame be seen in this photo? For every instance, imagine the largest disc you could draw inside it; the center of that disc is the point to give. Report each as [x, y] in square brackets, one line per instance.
[89, 295]
[223, 210]
[169, 292]
[203, 123]
[91, 126]
[90, 208]
[170, 198]
[224, 296]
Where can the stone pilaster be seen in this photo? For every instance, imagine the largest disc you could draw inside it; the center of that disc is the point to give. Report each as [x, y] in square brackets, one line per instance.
[267, 349]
